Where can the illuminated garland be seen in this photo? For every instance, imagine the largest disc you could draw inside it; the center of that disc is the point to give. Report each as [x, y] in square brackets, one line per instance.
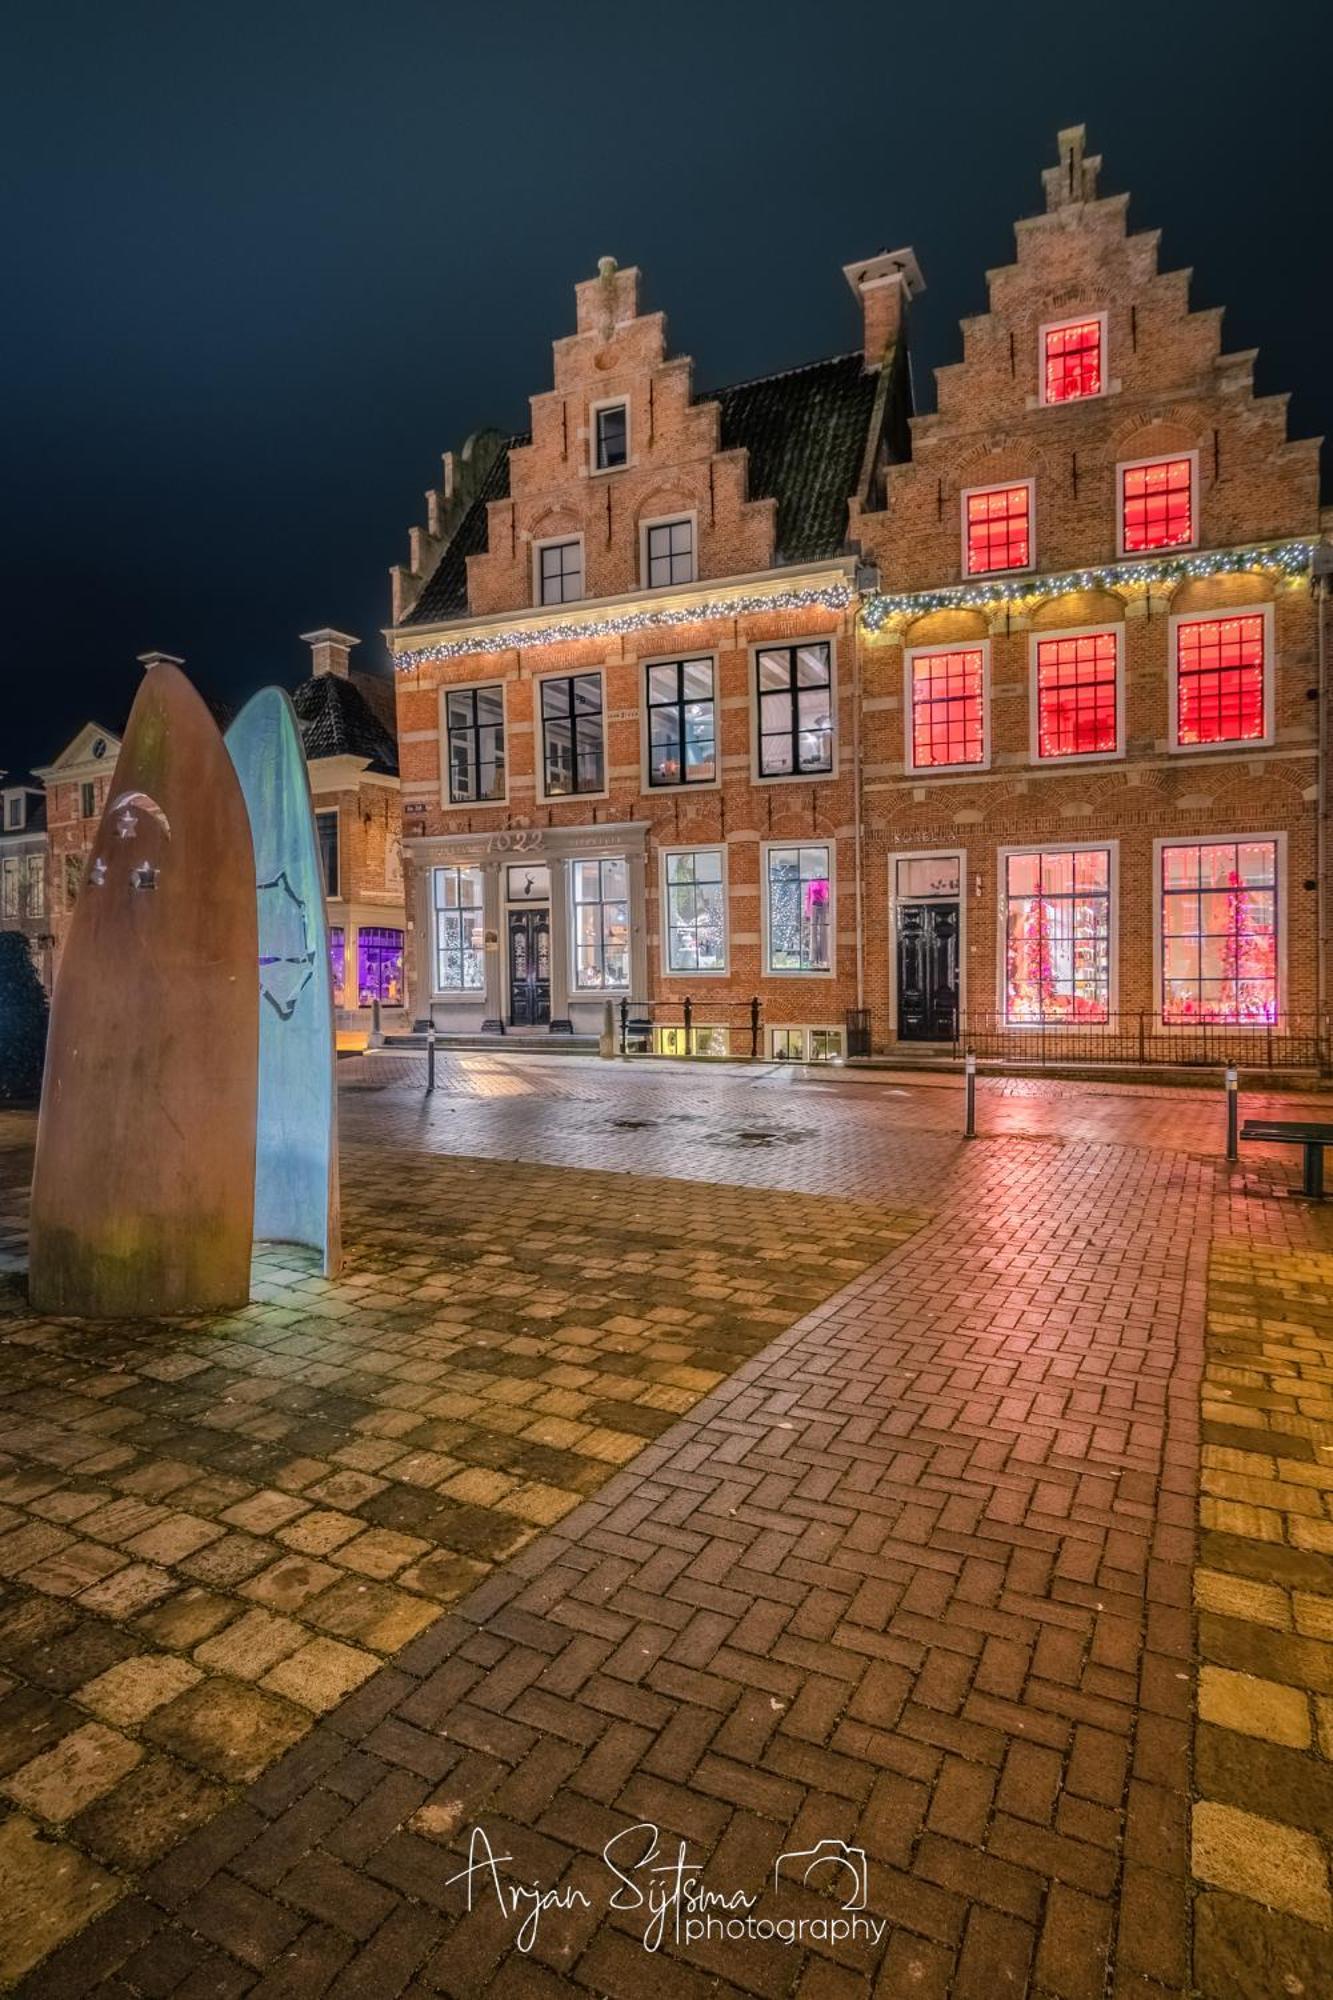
[1285, 559]
[831, 597]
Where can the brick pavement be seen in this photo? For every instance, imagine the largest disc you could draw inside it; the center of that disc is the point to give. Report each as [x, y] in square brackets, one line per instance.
[916, 1575]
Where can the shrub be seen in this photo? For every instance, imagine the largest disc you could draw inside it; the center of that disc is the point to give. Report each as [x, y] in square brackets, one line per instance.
[22, 1021]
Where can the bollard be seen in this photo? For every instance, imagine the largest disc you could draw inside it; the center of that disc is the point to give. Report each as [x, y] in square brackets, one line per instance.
[624, 1027]
[376, 1033]
[607, 1044]
[1233, 1111]
[970, 1086]
[430, 1057]
[754, 1028]
[689, 1026]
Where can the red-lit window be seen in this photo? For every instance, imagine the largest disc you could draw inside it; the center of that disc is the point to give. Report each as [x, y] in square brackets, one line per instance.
[1073, 360]
[1220, 680]
[1157, 505]
[1076, 695]
[998, 528]
[1219, 932]
[1057, 935]
[948, 713]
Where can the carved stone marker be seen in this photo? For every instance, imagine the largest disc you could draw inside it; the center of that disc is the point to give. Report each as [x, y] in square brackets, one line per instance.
[296, 1173]
[143, 1192]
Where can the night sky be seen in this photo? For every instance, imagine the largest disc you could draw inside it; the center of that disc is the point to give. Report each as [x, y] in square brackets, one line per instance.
[266, 261]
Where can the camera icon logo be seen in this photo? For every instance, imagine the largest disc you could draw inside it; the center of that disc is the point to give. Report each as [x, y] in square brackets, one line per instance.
[848, 1863]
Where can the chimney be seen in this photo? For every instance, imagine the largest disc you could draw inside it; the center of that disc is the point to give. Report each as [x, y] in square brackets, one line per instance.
[329, 652]
[884, 284]
[149, 660]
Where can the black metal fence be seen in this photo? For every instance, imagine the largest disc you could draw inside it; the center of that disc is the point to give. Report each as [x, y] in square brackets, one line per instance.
[690, 1027]
[1298, 1041]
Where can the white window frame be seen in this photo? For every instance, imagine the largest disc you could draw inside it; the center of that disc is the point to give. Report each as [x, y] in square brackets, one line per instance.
[1058, 326]
[436, 911]
[805, 1029]
[1125, 465]
[646, 786]
[1002, 857]
[1195, 838]
[557, 542]
[911, 654]
[1042, 638]
[958, 854]
[1233, 744]
[998, 486]
[753, 651]
[768, 970]
[539, 738]
[690, 520]
[447, 800]
[595, 470]
[669, 971]
[573, 906]
[13, 812]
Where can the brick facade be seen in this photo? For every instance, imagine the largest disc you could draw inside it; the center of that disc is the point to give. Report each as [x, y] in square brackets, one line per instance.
[24, 888]
[77, 786]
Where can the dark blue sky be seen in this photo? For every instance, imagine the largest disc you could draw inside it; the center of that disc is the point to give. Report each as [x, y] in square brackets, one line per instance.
[266, 261]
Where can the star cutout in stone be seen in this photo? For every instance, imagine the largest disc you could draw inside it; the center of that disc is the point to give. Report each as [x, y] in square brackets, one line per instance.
[127, 823]
[144, 876]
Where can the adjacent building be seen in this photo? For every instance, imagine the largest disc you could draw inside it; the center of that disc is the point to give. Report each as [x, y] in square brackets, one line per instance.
[76, 784]
[23, 871]
[996, 721]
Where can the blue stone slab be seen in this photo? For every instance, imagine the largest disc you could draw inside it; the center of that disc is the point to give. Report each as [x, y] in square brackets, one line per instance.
[296, 1166]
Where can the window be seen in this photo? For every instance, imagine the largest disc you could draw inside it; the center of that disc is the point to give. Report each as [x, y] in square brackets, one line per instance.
[825, 1044]
[475, 725]
[573, 745]
[1157, 505]
[699, 1041]
[559, 572]
[1072, 359]
[682, 727]
[337, 961]
[696, 911]
[326, 827]
[805, 1044]
[800, 915]
[460, 965]
[9, 886]
[795, 710]
[1058, 935]
[73, 877]
[88, 801]
[14, 810]
[948, 717]
[997, 528]
[610, 436]
[1077, 695]
[601, 925]
[669, 553]
[1221, 695]
[1219, 932]
[36, 885]
[379, 967]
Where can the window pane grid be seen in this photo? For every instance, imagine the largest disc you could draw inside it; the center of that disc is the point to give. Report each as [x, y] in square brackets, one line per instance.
[612, 436]
[476, 747]
[795, 686]
[1220, 932]
[1058, 936]
[601, 925]
[948, 725]
[572, 739]
[682, 741]
[696, 912]
[1074, 361]
[799, 909]
[670, 553]
[999, 529]
[1158, 505]
[459, 931]
[1076, 695]
[561, 572]
[1220, 680]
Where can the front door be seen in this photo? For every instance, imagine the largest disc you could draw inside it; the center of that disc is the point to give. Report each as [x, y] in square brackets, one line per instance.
[529, 967]
[927, 972]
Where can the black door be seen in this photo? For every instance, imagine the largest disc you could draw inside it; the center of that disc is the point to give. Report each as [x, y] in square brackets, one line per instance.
[529, 968]
[927, 971]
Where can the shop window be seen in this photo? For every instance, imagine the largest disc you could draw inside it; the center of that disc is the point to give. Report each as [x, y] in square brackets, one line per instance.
[1220, 666]
[702, 1042]
[326, 829]
[559, 572]
[460, 964]
[573, 742]
[997, 528]
[682, 723]
[1058, 936]
[379, 967]
[1072, 360]
[1077, 696]
[795, 687]
[337, 962]
[669, 549]
[475, 725]
[1220, 932]
[1157, 505]
[800, 910]
[948, 708]
[696, 912]
[601, 925]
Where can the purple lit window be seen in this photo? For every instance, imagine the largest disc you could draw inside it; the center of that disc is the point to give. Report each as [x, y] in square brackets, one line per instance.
[338, 961]
[379, 967]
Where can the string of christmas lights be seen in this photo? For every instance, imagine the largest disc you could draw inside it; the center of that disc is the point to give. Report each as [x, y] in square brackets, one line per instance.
[1285, 559]
[830, 597]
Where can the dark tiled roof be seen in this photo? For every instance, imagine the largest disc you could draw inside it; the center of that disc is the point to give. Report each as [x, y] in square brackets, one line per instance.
[337, 721]
[805, 431]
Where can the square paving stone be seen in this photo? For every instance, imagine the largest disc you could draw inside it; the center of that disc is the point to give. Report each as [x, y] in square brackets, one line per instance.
[254, 1643]
[321, 1673]
[229, 1561]
[50, 1891]
[132, 1689]
[78, 1655]
[129, 1590]
[286, 1585]
[227, 1728]
[372, 1613]
[74, 1772]
[147, 1813]
[174, 1539]
[380, 1553]
[188, 1617]
[31, 1720]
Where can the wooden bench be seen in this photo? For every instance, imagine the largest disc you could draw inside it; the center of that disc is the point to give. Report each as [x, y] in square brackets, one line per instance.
[1285, 1132]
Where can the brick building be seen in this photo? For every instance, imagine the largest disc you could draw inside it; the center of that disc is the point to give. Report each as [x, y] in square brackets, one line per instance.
[1090, 749]
[76, 785]
[627, 692]
[23, 884]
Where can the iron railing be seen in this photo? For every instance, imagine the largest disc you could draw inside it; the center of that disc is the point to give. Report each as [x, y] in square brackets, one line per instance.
[690, 1027]
[1296, 1041]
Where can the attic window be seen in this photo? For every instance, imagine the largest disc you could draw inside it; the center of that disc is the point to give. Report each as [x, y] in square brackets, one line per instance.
[14, 810]
[610, 436]
[1072, 359]
[997, 528]
[1157, 504]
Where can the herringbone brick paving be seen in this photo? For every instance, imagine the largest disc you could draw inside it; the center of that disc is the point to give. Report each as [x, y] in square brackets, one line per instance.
[916, 1577]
